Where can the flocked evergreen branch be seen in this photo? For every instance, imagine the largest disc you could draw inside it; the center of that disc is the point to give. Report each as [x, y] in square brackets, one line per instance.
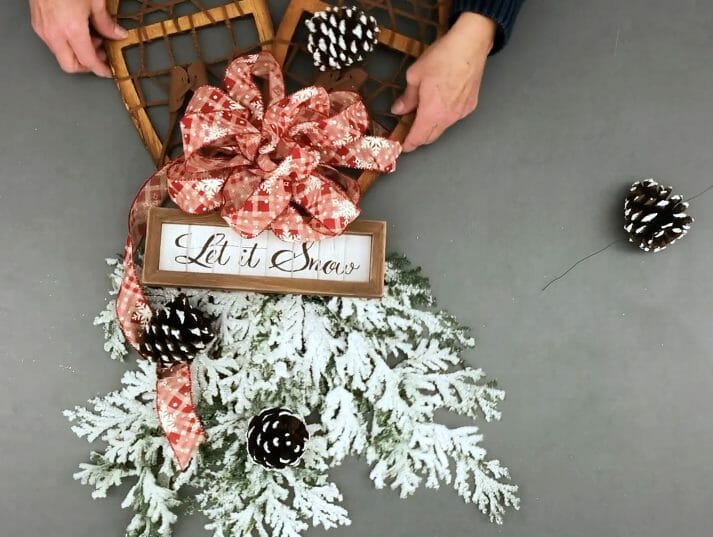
[369, 374]
[115, 342]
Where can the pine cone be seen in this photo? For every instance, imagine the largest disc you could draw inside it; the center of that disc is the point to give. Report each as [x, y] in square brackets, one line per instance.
[653, 219]
[340, 36]
[276, 438]
[176, 333]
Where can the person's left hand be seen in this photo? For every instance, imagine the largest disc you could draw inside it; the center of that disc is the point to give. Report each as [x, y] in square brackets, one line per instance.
[443, 84]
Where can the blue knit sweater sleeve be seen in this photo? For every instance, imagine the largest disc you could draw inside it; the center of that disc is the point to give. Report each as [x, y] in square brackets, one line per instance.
[503, 12]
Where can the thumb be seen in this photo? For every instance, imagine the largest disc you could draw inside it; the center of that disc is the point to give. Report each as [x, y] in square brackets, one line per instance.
[104, 24]
[407, 102]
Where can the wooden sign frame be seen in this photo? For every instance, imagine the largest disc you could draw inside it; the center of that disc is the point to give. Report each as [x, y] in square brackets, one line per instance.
[153, 275]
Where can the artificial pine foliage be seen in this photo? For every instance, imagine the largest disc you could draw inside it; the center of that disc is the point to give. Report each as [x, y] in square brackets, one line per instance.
[339, 37]
[654, 218]
[373, 372]
[176, 333]
[276, 438]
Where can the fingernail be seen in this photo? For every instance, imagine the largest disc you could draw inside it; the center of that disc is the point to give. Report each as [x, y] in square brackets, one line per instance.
[120, 32]
[398, 107]
[408, 148]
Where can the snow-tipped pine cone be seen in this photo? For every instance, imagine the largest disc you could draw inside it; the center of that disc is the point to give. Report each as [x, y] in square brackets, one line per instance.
[276, 438]
[654, 218]
[339, 37]
[176, 333]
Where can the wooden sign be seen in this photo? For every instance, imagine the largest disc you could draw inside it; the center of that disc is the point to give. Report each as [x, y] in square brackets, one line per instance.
[203, 251]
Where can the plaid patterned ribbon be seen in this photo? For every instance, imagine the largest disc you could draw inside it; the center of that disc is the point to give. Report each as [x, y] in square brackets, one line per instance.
[274, 164]
[176, 413]
[264, 165]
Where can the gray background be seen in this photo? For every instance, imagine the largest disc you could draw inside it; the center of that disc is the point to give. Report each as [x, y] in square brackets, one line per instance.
[607, 424]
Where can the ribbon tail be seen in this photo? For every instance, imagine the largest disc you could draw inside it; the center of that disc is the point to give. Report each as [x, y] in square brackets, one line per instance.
[174, 404]
[132, 309]
[177, 414]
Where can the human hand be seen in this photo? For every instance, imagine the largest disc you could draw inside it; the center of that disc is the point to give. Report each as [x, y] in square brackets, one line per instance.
[64, 27]
[443, 83]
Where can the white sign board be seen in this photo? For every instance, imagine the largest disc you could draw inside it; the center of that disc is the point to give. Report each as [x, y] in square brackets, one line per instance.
[202, 251]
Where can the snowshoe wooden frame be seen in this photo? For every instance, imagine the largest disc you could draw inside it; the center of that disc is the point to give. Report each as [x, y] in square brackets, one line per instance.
[130, 93]
[281, 43]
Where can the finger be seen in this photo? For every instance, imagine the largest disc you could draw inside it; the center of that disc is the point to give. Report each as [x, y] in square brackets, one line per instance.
[427, 127]
[104, 24]
[87, 55]
[407, 102]
[98, 43]
[66, 57]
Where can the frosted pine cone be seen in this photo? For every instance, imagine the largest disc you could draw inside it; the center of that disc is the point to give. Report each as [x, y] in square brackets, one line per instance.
[653, 219]
[339, 37]
[276, 438]
[176, 333]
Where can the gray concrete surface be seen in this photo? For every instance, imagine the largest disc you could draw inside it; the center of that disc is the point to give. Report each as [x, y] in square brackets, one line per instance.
[607, 425]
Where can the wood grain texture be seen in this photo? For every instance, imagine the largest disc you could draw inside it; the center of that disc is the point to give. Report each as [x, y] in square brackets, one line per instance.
[126, 83]
[153, 276]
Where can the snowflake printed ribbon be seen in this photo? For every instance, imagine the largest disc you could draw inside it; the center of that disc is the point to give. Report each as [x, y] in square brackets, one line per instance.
[264, 165]
[273, 164]
[176, 413]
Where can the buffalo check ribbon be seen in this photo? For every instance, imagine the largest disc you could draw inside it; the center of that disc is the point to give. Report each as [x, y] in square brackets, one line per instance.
[176, 413]
[265, 161]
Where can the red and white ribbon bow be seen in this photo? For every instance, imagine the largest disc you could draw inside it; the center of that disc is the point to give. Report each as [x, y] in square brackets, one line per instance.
[273, 164]
[265, 165]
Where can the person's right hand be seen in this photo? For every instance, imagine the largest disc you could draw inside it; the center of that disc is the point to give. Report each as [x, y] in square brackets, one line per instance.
[64, 26]
[444, 82]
